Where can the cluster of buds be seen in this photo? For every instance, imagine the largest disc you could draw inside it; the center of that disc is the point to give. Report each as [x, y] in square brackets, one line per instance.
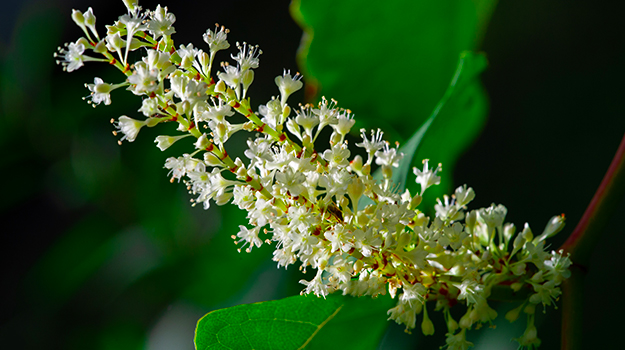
[323, 209]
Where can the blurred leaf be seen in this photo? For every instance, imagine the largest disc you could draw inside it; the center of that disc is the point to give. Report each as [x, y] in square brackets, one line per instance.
[299, 322]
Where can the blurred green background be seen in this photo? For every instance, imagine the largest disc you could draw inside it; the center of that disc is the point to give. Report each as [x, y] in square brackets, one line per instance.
[100, 251]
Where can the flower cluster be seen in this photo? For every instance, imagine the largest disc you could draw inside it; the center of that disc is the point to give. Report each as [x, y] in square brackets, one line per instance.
[323, 209]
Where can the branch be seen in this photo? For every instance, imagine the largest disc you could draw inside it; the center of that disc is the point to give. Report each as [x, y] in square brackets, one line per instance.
[581, 242]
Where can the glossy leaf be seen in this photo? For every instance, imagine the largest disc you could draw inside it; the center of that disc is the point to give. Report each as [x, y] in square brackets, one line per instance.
[391, 62]
[299, 322]
[452, 106]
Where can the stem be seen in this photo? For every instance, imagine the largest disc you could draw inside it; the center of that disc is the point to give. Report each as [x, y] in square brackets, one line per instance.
[581, 243]
[611, 190]
[572, 307]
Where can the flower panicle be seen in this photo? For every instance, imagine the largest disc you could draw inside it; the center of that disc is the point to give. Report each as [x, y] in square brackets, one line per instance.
[320, 204]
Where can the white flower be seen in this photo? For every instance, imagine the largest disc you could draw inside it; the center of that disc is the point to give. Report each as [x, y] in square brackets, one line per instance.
[188, 90]
[157, 59]
[149, 107]
[291, 181]
[463, 195]
[288, 85]
[217, 40]
[129, 127]
[143, 78]
[306, 119]
[337, 156]
[272, 113]
[134, 23]
[187, 55]
[90, 21]
[249, 236]
[371, 146]
[161, 22]
[493, 216]
[231, 76]
[316, 286]
[345, 121]
[427, 177]
[388, 156]
[72, 56]
[100, 91]
[247, 57]
[217, 112]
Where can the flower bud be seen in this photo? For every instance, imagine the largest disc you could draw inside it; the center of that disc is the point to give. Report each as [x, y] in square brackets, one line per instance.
[555, 225]
[131, 5]
[247, 78]
[513, 314]
[204, 59]
[356, 163]
[163, 142]
[465, 321]
[184, 107]
[211, 159]
[89, 19]
[452, 325]
[415, 201]
[427, 327]
[508, 232]
[527, 232]
[100, 47]
[335, 138]
[220, 87]
[202, 142]
[78, 18]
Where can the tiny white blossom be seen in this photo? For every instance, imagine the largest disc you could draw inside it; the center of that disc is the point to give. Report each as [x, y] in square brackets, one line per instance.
[129, 127]
[247, 57]
[143, 78]
[73, 57]
[427, 177]
[161, 22]
[217, 40]
[288, 84]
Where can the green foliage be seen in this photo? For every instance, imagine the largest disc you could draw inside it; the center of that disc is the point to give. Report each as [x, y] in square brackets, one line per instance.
[455, 102]
[299, 322]
[390, 62]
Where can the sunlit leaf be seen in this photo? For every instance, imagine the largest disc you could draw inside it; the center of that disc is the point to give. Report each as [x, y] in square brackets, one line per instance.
[299, 322]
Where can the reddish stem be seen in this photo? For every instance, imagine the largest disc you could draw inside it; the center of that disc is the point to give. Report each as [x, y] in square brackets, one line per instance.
[581, 243]
[602, 203]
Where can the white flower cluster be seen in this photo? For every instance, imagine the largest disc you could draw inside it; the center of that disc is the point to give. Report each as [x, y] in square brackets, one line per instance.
[323, 210]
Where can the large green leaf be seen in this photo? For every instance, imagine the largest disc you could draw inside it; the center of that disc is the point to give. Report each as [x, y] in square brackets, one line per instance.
[391, 62]
[458, 102]
[388, 61]
[299, 322]
[463, 100]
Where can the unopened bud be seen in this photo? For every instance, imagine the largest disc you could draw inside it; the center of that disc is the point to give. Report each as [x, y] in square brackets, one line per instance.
[211, 159]
[202, 142]
[78, 18]
[427, 327]
[513, 314]
[100, 47]
[220, 87]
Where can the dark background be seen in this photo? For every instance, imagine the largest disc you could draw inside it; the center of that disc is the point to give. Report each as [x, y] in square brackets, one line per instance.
[100, 251]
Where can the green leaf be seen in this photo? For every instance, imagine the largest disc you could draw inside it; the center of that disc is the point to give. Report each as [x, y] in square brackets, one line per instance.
[299, 322]
[460, 101]
[388, 61]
